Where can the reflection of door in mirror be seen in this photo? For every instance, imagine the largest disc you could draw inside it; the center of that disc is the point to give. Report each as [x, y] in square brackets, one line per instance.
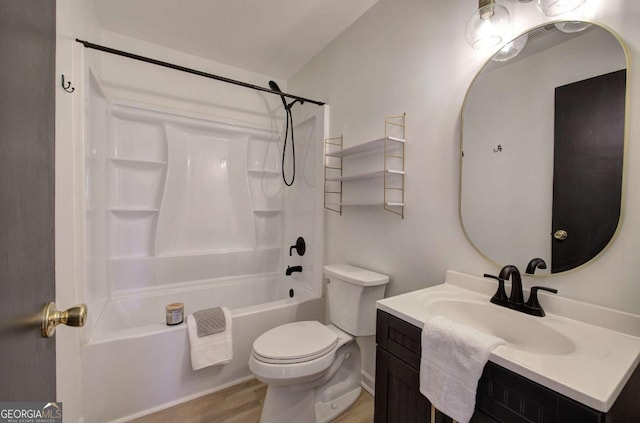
[587, 176]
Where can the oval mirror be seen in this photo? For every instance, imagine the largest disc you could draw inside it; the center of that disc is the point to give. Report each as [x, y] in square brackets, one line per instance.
[543, 128]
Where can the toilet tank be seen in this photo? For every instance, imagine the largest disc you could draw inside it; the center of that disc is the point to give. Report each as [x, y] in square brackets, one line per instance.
[352, 293]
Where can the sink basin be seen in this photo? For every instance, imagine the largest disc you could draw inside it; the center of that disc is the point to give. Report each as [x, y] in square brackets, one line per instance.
[586, 362]
[518, 330]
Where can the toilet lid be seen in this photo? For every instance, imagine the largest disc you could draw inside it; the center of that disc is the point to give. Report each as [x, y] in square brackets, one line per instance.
[295, 342]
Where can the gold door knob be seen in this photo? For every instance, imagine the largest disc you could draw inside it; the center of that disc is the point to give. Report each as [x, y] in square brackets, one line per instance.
[52, 317]
[560, 234]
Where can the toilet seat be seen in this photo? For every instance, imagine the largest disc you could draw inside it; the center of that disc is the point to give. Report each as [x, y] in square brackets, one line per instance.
[296, 342]
[285, 363]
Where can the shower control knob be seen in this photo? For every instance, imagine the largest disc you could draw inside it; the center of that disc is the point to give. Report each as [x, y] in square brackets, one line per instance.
[300, 247]
[560, 234]
[52, 317]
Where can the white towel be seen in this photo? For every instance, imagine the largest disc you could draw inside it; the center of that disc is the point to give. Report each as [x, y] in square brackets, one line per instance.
[453, 356]
[212, 349]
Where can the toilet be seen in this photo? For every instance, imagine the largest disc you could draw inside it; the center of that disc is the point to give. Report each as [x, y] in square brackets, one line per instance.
[313, 370]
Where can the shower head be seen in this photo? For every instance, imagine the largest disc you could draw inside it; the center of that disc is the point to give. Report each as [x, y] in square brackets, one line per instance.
[287, 107]
[274, 87]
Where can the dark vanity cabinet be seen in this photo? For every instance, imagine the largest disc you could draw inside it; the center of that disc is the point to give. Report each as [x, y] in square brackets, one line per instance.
[503, 396]
[398, 398]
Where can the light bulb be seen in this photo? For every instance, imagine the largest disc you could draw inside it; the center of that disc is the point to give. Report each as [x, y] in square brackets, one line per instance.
[511, 49]
[570, 27]
[558, 7]
[487, 26]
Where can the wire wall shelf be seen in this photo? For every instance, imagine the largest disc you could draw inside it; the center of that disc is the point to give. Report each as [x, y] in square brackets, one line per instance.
[392, 146]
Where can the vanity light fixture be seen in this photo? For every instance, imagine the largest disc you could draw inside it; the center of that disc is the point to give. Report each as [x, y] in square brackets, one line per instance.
[488, 25]
[570, 27]
[558, 7]
[511, 49]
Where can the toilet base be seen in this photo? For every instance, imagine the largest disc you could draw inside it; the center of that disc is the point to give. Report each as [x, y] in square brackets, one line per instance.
[299, 407]
[282, 404]
[327, 411]
[330, 397]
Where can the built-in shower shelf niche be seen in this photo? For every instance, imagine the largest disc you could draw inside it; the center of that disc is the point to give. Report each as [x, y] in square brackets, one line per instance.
[132, 232]
[266, 190]
[268, 206]
[136, 176]
[136, 184]
[160, 163]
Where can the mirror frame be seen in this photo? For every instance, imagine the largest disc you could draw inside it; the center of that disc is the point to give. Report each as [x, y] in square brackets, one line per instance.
[625, 142]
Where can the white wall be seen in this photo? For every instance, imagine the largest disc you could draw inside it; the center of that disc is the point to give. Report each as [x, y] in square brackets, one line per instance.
[411, 56]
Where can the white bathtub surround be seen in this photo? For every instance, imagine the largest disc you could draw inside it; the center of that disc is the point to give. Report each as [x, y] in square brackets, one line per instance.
[453, 357]
[213, 349]
[174, 197]
[582, 351]
[186, 207]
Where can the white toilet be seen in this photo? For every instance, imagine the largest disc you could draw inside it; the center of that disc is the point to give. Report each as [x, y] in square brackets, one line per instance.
[312, 370]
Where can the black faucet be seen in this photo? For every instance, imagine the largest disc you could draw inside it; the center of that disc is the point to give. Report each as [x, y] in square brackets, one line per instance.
[500, 297]
[291, 269]
[516, 298]
[533, 306]
[510, 271]
[535, 263]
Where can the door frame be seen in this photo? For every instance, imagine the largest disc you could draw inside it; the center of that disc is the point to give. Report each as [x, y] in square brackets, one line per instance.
[69, 206]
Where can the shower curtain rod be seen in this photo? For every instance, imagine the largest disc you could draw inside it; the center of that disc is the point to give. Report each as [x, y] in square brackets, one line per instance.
[87, 44]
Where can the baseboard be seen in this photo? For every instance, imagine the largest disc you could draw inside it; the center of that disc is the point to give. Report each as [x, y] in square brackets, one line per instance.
[368, 383]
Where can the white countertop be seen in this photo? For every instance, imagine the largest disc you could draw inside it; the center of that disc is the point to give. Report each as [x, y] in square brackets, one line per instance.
[593, 373]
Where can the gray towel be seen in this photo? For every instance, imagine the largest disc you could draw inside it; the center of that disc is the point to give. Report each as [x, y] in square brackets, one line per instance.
[210, 321]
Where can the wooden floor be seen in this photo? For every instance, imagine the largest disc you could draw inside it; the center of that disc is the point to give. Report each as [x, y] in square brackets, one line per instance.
[243, 404]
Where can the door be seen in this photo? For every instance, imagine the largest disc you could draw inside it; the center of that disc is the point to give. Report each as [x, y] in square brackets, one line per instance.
[588, 155]
[27, 81]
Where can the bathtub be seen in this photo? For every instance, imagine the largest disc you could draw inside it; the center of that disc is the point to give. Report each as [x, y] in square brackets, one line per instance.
[133, 364]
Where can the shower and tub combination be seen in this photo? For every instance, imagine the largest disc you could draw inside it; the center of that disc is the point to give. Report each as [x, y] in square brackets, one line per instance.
[189, 208]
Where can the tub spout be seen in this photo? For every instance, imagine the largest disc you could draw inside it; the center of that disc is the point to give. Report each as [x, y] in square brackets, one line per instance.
[291, 269]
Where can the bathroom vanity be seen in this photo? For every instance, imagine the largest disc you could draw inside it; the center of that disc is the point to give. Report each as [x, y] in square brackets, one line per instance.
[518, 384]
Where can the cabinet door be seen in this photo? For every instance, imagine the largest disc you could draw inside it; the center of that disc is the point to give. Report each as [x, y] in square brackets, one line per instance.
[509, 397]
[480, 417]
[398, 398]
